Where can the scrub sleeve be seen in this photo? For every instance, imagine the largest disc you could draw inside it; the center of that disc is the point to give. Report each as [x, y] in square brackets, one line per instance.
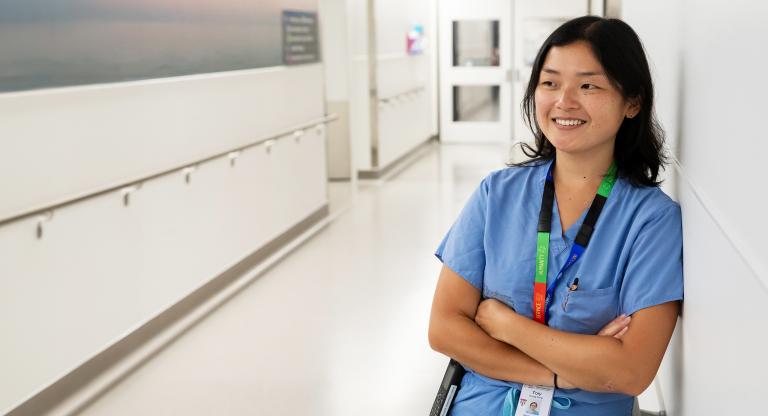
[653, 275]
[462, 249]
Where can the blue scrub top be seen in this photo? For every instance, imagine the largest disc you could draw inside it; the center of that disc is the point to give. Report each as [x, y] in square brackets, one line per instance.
[634, 261]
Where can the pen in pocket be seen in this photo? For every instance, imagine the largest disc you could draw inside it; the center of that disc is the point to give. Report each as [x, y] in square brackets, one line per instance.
[571, 288]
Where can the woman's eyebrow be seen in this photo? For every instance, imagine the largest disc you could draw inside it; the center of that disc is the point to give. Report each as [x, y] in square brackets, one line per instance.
[581, 74]
[590, 73]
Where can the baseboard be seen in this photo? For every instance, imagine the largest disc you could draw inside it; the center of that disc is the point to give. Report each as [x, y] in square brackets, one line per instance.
[407, 158]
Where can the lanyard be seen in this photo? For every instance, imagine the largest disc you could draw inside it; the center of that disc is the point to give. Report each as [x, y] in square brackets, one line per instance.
[541, 292]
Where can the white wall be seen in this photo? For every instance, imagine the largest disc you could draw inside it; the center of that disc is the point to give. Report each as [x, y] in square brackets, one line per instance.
[102, 269]
[708, 66]
[359, 89]
[405, 121]
[334, 27]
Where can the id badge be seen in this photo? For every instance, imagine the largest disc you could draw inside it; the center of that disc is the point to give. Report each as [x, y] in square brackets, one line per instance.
[535, 401]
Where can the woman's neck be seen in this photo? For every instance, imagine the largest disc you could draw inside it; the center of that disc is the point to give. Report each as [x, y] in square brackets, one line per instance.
[583, 169]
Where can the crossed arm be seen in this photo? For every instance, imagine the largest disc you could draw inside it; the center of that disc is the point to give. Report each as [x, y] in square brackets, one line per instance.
[495, 341]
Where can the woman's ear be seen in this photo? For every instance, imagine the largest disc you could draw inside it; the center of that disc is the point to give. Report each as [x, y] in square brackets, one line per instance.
[633, 107]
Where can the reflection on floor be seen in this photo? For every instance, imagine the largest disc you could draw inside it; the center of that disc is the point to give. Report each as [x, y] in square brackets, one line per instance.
[337, 328]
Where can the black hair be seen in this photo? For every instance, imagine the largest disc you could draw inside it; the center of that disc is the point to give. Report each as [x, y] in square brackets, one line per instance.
[639, 150]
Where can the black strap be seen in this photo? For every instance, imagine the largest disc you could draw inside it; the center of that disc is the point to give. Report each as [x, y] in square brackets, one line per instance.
[547, 202]
[587, 227]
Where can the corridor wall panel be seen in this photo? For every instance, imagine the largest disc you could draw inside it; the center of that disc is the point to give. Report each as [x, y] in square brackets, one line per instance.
[64, 142]
[100, 269]
[359, 85]
[706, 67]
[403, 83]
[404, 120]
[403, 80]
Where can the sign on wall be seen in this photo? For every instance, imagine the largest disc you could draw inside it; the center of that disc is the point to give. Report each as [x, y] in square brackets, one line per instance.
[415, 41]
[54, 43]
[300, 37]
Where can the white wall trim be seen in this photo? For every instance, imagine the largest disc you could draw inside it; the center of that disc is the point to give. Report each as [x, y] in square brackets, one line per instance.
[143, 82]
[738, 245]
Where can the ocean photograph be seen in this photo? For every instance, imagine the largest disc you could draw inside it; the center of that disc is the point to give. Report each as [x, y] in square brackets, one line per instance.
[56, 43]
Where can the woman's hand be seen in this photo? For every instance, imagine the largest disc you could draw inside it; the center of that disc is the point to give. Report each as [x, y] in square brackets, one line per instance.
[495, 318]
[616, 328]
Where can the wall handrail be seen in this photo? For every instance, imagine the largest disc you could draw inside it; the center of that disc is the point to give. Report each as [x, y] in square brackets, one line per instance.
[47, 210]
[398, 96]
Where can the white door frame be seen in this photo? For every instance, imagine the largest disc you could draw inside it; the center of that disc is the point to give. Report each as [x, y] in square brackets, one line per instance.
[476, 131]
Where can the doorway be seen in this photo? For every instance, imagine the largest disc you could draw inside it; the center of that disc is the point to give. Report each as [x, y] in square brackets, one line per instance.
[475, 62]
[487, 48]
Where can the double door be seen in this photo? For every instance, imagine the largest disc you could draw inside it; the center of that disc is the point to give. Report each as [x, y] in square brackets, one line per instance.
[486, 52]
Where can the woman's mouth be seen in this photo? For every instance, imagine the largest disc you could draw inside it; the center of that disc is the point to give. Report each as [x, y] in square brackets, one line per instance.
[568, 123]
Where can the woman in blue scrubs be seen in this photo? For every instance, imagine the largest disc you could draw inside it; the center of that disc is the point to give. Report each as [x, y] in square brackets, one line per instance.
[601, 333]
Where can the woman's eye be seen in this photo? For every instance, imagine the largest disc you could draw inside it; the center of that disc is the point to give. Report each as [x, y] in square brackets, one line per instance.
[589, 86]
[547, 83]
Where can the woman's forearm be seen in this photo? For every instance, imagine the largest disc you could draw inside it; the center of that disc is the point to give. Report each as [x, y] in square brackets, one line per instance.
[460, 338]
[590, 362]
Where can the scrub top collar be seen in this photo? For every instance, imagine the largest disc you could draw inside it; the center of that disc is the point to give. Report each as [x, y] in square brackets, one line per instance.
[558, 241]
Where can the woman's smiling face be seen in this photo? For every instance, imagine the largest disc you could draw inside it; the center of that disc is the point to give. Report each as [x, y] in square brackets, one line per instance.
[577, 107]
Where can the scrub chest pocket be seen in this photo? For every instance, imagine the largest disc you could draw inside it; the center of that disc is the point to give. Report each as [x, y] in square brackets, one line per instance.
[582, 311]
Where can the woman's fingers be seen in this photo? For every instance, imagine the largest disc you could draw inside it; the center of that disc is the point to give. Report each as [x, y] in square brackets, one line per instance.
[621, 333]
[564, 384]
[614, 327]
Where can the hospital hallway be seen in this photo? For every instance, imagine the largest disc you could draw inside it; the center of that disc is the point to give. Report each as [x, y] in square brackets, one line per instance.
[232, 208]
[339, 326]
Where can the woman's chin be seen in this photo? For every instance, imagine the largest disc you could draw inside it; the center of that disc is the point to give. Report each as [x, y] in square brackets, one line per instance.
[577, 144]
[566, 146]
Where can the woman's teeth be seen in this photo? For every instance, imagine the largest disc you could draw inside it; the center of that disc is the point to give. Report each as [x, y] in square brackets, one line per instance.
[563, 122]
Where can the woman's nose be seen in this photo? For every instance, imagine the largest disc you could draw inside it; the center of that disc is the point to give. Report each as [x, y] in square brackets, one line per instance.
[567, 100]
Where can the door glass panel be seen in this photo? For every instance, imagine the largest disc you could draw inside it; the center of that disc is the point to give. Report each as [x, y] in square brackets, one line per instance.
[475, 103]
[476, 43]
